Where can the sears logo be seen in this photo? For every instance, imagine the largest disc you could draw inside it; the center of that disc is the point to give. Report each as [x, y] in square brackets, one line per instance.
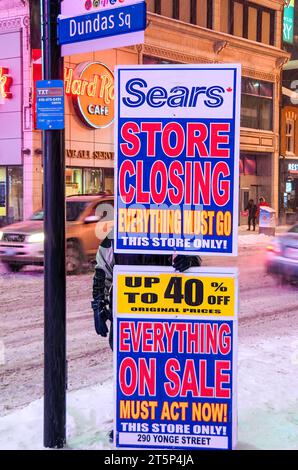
[177, 97]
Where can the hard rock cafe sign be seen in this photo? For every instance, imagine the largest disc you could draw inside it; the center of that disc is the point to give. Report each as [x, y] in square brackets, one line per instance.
[91, 86]
[5, 83]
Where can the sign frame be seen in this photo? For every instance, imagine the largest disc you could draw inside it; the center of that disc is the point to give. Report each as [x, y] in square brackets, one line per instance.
[107, 39]
[211, 272]
[235, 148]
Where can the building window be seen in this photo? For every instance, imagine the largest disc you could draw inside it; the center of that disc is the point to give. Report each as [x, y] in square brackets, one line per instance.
[93, 180]
[248, 165]
[15, 193]
[257, 104]
[89, 181]
[11, 194]
[290, 136]
[251, 21]
[74, 181]
[150, 60]
[198, 12]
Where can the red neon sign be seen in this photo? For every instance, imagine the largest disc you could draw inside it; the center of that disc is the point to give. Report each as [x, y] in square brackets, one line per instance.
[5, 83]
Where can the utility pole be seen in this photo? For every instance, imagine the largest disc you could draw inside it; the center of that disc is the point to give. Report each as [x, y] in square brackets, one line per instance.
[54, 251]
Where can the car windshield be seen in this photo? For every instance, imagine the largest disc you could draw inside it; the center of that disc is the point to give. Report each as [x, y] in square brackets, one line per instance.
[294, 229]
[73, 211]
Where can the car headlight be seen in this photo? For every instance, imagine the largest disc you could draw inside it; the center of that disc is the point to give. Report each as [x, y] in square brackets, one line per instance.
[1, 235]
[36, 238]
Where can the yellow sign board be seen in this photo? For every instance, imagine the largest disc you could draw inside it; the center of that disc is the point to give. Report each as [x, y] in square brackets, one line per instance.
[176, 294]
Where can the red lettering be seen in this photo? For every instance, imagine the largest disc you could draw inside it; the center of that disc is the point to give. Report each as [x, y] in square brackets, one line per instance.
[221, 188]
[211, 338]
[158, 344]
[197, 134]
[216, 130]
[205, 391]
[143, 197]
[158, 169]
[189, 381]
[221, 378]
[132, 145]
[128, 367]
[177, 149]
[202, 183]
[151, 128]
[188, 182]
[224, 341]
[147, 376]
[172, 388]
[127, 195]
[176, 195]
[123, 336]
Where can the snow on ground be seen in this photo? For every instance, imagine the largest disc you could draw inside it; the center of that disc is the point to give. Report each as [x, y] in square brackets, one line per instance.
[267, 399]
[255, 239]
[268, 360]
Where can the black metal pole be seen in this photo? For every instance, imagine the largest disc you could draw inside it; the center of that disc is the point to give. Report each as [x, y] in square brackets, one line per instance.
[54, 229]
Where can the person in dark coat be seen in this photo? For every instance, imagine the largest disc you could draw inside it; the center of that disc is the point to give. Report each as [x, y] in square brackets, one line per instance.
[106, 259]
[252, 214]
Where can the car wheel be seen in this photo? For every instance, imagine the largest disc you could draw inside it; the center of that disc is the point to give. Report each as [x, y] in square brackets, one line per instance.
[13, 267]
[74, 258]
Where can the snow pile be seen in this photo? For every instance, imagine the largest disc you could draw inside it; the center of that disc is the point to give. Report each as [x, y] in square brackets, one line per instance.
[267, 400]
[89, 420]
[268, 393]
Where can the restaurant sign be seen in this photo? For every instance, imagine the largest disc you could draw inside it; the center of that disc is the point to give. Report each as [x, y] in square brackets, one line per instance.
[91, 86]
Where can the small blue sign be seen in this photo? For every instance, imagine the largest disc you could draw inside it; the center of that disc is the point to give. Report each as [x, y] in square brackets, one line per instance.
[50, 105]
[106, 23]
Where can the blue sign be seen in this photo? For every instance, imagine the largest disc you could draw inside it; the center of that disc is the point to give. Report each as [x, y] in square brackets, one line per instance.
[103, 24]
[50, 107]
[177, 157]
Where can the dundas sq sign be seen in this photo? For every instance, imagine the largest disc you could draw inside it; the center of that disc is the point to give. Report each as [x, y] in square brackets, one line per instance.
[91, 87]
[288, 26]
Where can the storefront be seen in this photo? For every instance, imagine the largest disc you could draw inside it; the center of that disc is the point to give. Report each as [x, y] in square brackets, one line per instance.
[11, 194]
[89, 180]
[255, 179]
[289, 189]
[288, 165]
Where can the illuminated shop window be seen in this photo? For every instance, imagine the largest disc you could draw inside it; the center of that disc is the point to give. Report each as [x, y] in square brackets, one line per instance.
[290, 136]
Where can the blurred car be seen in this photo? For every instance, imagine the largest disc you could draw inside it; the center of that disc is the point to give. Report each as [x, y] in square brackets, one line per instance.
[89, 219]
[282, 255]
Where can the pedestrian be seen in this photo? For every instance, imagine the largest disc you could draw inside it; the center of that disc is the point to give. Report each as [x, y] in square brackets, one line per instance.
[106, 259]
[262, 202]
[252, 214]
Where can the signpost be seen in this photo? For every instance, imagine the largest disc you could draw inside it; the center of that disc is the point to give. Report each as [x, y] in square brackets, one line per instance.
[104, 25]
[288, 26]
[50, 105]
[175, 356]
[177, 159]
[54, 229]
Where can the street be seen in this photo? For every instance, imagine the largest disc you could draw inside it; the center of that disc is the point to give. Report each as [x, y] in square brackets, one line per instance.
[268, 311]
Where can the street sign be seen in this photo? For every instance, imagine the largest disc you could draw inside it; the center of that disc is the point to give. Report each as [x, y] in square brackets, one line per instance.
[102, 28]
[177, 159]
[50, 105]
[175, 356]
[288, 23]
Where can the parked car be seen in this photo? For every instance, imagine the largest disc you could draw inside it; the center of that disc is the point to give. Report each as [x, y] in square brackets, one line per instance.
[88, 221]
[282, 255]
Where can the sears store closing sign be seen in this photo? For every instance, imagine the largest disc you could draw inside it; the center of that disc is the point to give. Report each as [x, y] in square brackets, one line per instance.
[177, 145]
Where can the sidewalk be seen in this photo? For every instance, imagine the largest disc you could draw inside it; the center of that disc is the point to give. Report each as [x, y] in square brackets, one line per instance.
[250, 238]
[242, 230]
